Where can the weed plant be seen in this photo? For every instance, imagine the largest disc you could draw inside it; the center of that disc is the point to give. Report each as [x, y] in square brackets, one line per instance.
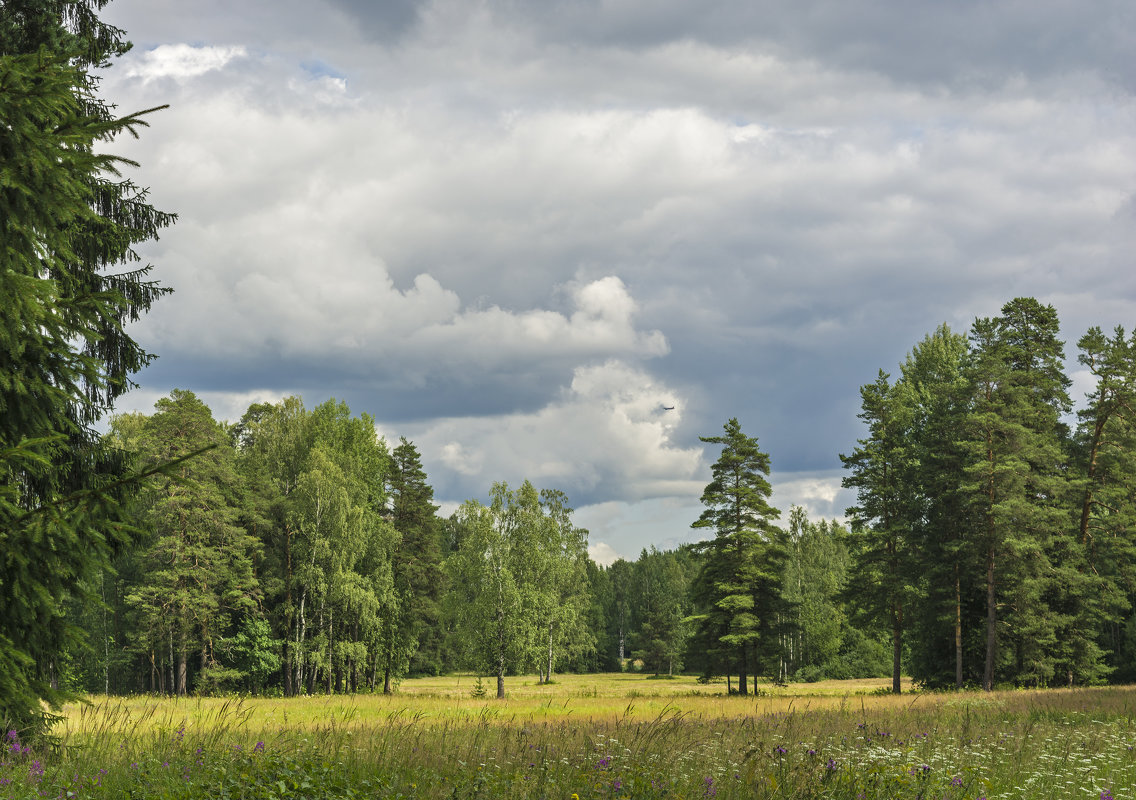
[1055, 744]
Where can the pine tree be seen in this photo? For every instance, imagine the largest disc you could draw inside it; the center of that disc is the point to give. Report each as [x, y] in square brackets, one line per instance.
[199, 580]
[943, 566]
[738, 587]
[1105, 460]
[1016, 478]
[883, 522]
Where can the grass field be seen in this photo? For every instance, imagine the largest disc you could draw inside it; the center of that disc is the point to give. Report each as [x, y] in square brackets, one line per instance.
[607, 736]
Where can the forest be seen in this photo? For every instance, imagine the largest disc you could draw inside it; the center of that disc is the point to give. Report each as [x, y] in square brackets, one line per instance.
[990, 545]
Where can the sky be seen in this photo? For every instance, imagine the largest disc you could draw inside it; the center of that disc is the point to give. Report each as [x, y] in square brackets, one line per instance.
[514, 232]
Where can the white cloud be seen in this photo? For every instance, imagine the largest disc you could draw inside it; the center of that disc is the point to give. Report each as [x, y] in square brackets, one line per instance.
[607, 434]
[603, 553]
[181, 61]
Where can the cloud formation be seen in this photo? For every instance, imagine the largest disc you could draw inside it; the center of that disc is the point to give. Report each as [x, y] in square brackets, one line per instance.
[506, 229]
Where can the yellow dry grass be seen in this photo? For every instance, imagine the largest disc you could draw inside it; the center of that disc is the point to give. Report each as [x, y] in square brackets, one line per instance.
[572, 698]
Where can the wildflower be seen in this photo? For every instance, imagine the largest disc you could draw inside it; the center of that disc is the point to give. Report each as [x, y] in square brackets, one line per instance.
[35, 772]
[810, 752]
[259, 748]
[779, 750]
[1106, 795]
[956, 780]
[831, 765]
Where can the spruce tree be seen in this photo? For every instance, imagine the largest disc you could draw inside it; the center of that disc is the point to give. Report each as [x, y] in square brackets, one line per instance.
[68, 221]
[418, 575]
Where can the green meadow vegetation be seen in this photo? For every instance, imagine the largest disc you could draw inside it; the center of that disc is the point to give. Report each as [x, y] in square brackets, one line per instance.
[596, 736]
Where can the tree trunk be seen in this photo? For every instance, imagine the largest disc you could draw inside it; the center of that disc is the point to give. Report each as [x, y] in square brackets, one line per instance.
[958, 628]
[1087, 504]
[896, 647]
[289, 687]
[991, 624]
[182, 671]
[548, 675]
[331, 669]
[301, 633]
[743, 684]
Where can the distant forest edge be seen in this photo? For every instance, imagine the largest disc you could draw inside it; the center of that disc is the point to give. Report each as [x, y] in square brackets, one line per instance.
[991, 543]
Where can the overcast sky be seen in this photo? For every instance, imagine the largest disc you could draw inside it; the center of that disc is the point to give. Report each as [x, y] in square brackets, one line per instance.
[514, 231]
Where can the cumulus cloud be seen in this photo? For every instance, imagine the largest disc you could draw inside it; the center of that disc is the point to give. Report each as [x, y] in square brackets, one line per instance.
[607, 435]
[181, 61]
[507, 231]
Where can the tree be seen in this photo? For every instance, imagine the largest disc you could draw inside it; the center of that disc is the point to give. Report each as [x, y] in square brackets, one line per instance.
[200, 578]
[1017, 482]
[564, 598]
[884, 518]
[815, 572]
[418, 575]
[943, 535]
[660, 608]
[738, 587]
[274, 441]
[487, 601]
[66, 220]
[1104, 457]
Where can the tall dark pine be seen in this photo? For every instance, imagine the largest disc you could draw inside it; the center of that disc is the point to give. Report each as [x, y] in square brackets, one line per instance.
[1105, 461]
[418, 575]
[68, 221]
[738, 586]
[883, 520]
[943, 565]
[1017, 480]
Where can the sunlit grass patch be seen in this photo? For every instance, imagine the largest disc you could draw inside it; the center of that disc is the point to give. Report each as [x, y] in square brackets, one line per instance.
[573, 738]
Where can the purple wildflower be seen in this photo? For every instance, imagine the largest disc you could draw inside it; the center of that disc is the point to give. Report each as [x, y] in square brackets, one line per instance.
[1106, 795]
[35, 772]
[956, 780]
[259, 748]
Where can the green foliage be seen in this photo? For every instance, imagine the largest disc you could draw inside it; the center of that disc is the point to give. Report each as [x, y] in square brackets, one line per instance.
[66, 218]
[737, 590]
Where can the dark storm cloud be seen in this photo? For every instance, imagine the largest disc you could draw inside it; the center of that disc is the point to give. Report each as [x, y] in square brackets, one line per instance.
[922, 41]
[386, 21]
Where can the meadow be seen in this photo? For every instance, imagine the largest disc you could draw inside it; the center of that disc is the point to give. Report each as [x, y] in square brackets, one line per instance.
[605, 736]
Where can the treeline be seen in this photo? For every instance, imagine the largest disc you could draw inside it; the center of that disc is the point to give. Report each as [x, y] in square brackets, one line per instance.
[991, 543]
[296, 552]
[995, 531]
